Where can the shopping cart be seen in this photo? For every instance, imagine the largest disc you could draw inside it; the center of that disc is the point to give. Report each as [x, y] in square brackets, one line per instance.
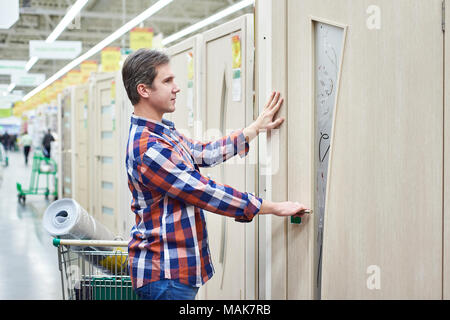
[41, 166]
[94, 270]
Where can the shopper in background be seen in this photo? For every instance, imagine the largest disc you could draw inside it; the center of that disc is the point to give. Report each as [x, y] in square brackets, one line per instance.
[46, 143]
[169, 256]
[26, 142]
[13, 145]
[6, 140]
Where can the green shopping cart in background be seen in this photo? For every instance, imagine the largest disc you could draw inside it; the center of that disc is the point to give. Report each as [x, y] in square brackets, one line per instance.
[41, 166]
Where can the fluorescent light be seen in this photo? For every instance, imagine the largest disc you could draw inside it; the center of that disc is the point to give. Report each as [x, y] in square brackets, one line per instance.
[127, 27]
[11, 87]
[70, 15]
[102, 44]
[62, 25]
[31, 63]
[222, 14]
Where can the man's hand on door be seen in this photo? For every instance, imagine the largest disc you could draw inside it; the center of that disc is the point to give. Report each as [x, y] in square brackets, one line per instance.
[266, 120]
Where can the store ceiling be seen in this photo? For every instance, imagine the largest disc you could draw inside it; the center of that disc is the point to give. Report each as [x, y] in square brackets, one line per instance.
[98, 19]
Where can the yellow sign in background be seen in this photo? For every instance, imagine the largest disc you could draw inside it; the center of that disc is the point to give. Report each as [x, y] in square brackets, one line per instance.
[236, 47]
[110, 59]
[141, 38]
[87, 67]
[74, 77]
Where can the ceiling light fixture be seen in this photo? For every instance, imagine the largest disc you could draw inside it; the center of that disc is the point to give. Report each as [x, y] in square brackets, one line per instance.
[222, 14]
[130, 25]
[62, 25]
[70, 15]
[11, 87]
[101, 45]
[31, 63]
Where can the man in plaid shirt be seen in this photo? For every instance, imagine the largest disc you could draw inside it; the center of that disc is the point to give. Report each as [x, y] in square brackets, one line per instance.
[169, 255]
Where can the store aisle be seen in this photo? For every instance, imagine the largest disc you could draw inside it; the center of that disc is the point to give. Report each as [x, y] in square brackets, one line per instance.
[28, 260]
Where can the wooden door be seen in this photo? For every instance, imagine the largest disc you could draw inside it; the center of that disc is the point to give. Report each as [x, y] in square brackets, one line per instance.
[66, 143]
[365, 119]
[185, 64]
[228, 105]
[106, 161]
[81, 148]
[124, 109]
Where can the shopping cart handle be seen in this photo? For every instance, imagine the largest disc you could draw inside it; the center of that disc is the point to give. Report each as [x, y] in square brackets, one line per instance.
[87, 243]
[56, 242]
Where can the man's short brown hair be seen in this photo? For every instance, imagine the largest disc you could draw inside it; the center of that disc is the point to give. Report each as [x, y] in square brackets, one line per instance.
[140, 67]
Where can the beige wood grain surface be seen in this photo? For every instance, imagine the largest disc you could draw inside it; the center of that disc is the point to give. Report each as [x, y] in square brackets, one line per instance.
[81, 146]
[232, 244]
[179, 64]
[66, 143]
[384, 193]
[446, 218]
[106, 162]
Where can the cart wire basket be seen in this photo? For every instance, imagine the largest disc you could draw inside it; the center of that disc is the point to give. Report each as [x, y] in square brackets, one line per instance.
[94, 270]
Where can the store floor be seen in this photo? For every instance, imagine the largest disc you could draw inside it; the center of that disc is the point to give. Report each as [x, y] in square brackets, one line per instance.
[28, 260]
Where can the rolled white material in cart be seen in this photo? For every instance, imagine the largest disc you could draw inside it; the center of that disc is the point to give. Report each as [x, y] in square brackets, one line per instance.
[66, 219]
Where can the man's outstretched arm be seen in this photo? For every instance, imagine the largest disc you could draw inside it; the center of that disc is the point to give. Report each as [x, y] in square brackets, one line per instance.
[212, 153]
[162, 169]
[215, 152]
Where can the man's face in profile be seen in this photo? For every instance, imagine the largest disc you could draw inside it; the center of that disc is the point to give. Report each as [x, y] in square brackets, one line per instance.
[164, 90]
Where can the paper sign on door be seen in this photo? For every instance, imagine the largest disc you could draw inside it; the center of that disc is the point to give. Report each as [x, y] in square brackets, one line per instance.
[236, 68]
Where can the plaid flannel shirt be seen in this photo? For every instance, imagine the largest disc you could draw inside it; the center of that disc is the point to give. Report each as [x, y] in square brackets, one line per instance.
[169, 239]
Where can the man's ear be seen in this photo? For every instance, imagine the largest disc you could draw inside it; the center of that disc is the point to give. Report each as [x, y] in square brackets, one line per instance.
[143, 90]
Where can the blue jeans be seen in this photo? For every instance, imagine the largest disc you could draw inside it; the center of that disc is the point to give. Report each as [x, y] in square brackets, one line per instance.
[166, 289]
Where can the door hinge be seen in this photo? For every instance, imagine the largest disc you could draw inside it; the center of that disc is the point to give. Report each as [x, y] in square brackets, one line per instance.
[443, 16]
